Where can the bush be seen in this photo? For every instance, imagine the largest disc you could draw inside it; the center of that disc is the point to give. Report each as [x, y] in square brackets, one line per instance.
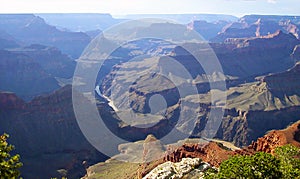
[284, 164]
[260, 165]
[9, 165]
[289, 157]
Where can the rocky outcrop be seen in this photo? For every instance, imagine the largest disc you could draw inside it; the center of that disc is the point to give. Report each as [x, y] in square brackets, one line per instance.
[268, 143]
[243, 130]
[177, 170]
[212, 153]
[277, 138]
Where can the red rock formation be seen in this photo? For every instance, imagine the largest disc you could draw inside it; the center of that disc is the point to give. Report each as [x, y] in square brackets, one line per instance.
[211, 152]
[277, 138]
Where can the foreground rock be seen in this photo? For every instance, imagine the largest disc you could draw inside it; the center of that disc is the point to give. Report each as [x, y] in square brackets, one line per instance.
[177, 170]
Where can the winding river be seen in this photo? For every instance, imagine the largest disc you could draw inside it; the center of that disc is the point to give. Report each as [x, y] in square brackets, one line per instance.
[110, 102]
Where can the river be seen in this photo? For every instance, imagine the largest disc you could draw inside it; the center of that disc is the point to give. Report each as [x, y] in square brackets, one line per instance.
[110, 102]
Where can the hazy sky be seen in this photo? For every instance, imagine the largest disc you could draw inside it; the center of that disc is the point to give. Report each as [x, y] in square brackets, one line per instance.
[122, 7]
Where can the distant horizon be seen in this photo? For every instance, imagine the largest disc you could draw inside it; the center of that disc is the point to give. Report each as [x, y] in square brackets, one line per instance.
[118, 8]
[118, 16]
[122, 16]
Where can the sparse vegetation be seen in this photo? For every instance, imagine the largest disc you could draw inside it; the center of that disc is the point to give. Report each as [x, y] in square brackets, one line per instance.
[114, 169]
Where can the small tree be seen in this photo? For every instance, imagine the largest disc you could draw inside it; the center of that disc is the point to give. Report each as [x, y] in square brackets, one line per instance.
[9, 165]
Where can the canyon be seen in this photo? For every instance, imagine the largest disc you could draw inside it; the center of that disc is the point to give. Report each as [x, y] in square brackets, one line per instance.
[156, 86]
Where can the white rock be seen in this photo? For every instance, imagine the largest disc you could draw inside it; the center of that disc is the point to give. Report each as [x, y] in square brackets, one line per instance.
[176, 170]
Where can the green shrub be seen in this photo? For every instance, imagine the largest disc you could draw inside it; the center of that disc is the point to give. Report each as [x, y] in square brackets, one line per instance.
[289, 157]
[9, 165]
[284, 164]
[260, 165]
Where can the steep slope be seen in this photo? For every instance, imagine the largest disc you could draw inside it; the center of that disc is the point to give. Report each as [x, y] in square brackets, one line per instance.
[51, 59]
[33, 70]
[24, 76]
[31, 29]
[46, 135]
[251, 57]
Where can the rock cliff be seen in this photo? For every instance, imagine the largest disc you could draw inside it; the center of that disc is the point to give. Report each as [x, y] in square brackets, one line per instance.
[24, 76]
[33, 70]
[46, 135]
[276, 138]
[255, 108]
